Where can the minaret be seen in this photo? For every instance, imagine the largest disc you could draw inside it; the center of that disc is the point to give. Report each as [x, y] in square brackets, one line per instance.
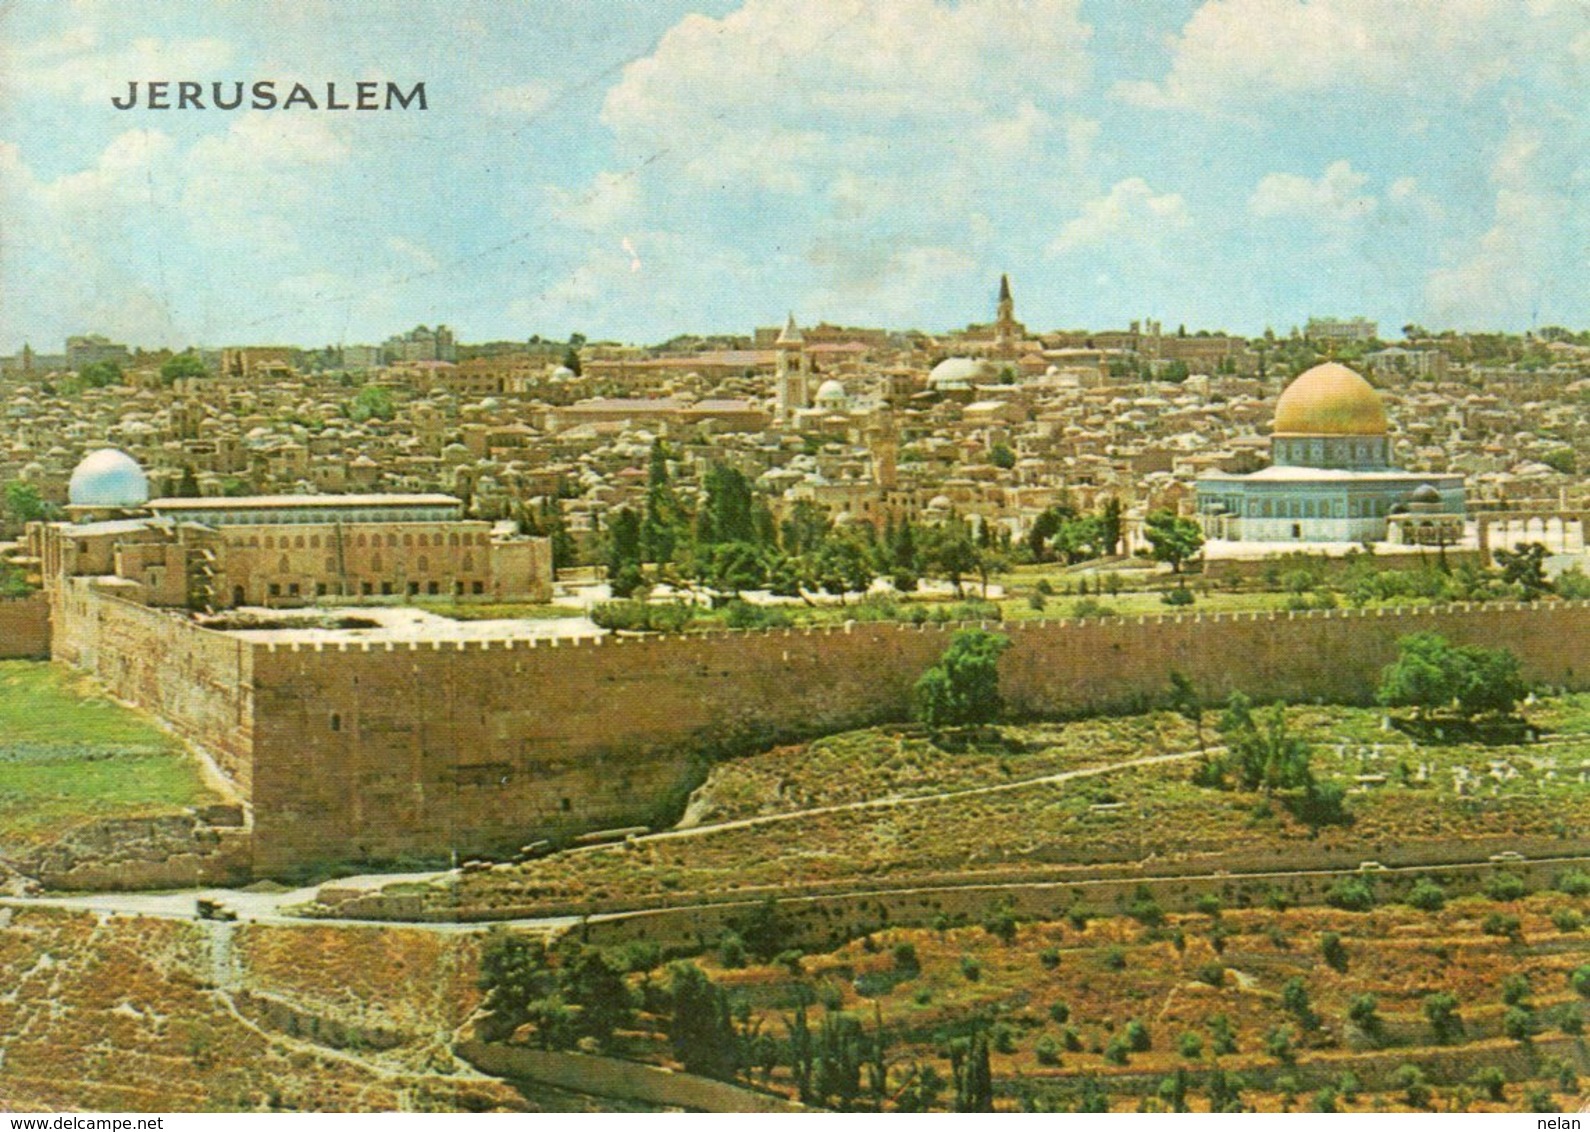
[884, 443]
[794, 367]
[1005, 322]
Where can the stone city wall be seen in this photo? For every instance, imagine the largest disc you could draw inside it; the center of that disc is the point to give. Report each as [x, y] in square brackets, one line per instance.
[24, 628]
[377, 753]
[372, 752]
[200, 682]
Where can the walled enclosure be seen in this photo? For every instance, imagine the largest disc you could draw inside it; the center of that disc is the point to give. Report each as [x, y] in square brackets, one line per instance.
[376, 753]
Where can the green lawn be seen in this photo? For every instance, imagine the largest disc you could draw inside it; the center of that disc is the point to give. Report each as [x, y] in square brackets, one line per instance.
[69, 755]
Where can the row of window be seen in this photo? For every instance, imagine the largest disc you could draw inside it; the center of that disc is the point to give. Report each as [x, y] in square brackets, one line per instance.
[294, 517]
[363, 589]
[1316, 450]
[270, 542]
[1294, 508]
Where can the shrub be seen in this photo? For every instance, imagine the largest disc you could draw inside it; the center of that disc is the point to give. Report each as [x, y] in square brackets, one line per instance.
[731, 950]
[1567, 920]
[1325, 1100]
[1506, 886]
[1001, 923]
[1579, 980]
[1415, 1090]
[1137, 1036]
[1071, 1040]
[1441, 1011]
[1501, 923]
[1490, 1081]
[1212, 973]
[1209, 904]
[1047, 1050]
[905, 960]
[1515, 988]
[1115, 958]
[1060, 1012]
[1117, 1052]
[1364, 1013]
[1295, 1000]
[1351, 894]
[740, 614]
[1427, 896]
[1223, 1039]
[963, 687]
[1519, 1024]
[1574, 883]
[642, 616]
[1281, 1043]
[1570, 1018]
[1146, 910]
[1050, 958]
[1333, 951]
[971, 969]
[1190, 1046]
[1179, 597]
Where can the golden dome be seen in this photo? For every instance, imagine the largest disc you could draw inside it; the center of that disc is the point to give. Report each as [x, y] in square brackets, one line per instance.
[1330, 400]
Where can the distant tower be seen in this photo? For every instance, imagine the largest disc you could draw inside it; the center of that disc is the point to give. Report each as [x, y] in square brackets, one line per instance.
[884, 442]
[27, 358]
[1006, 329]
[794, 370]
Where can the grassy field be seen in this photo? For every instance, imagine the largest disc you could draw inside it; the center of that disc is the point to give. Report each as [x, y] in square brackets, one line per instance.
[69, 755]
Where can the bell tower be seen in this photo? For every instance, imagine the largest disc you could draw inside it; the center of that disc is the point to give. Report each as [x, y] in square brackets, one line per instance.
[794, 371]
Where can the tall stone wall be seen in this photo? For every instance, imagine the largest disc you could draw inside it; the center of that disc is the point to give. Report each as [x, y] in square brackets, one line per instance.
[200, 682]
[24, 628]
[380, 753]
[376, 753]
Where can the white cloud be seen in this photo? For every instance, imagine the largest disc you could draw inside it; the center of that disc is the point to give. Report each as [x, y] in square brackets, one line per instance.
[1336, 198]
[781, 93]
[71, 64]
[1532, 254]
[1232, 53]
[1130, 211]
[526, 100]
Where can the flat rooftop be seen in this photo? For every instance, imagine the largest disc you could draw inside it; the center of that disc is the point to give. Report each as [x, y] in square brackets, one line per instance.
[395, 624]
[297, 502]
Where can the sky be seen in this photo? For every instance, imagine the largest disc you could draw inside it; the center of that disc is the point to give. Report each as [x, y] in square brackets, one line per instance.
[636, 169]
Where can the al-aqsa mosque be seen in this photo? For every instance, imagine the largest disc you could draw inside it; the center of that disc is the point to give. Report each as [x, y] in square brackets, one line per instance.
[1330, 478]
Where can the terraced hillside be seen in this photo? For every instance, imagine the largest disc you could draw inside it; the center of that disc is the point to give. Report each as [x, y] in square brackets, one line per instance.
[139, 1014]
[891, 805]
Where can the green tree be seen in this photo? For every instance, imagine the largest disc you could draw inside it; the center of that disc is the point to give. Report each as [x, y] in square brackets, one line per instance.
[1172, 538]
[1525, 569]
[963, 687]
[181, 367]
[97, 375]
[1183, 699]
[514, 974]
[701, 1027]
[1430, 674]
[372, 402]
[1441, 1011]
[24, 504]
[1001, 456]
[726, 514]
[949, 551]
[663, 519]
[974, 1080]
[623, 552]
[188, 486]
[594, 985]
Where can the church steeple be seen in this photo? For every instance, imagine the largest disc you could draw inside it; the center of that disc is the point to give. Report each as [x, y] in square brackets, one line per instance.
[1006, 329]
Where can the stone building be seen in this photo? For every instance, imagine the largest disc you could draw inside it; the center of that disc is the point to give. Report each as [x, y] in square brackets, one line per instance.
[282, 550]
[1330, 478]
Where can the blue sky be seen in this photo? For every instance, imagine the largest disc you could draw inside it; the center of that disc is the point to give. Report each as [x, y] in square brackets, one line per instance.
[633, 169]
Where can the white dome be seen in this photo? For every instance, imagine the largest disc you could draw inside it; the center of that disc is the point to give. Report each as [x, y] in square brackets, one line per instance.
[108, 478]
[959, 373]
[831, 391]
